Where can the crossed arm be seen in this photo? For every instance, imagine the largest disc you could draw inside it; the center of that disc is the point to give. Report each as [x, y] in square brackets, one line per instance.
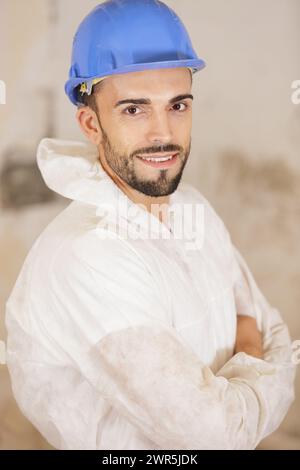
[147, 374]
[177, 402]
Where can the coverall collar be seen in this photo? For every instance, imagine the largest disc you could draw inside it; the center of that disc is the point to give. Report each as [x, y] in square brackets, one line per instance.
[72, 169]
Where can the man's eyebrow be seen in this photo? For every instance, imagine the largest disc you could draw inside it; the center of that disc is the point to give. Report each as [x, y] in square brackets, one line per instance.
[147, 101]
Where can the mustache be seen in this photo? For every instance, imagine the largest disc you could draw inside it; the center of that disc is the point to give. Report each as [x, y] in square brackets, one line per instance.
[157, 150]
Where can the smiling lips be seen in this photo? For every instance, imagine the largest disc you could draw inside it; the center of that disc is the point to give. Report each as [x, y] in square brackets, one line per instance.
[158, 161]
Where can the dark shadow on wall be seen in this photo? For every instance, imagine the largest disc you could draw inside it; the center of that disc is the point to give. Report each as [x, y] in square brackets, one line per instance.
[21, 183]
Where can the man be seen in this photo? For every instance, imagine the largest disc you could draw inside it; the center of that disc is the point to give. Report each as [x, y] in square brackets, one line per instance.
[135, 323]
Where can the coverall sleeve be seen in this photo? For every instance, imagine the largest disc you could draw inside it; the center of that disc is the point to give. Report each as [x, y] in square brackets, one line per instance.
[146, 373]
[177, 402]
[276, 338]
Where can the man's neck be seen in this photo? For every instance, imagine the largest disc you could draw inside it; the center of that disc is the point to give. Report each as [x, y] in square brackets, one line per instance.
[155, 205]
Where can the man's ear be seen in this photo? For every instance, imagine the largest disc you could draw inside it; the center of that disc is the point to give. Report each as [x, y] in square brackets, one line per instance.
[89, 125]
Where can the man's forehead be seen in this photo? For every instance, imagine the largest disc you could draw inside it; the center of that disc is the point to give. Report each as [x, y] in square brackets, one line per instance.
[159, 83]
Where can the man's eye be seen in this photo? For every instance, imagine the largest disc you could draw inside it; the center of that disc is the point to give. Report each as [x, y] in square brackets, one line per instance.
[132, 109]
[129, 109]
[178, 104]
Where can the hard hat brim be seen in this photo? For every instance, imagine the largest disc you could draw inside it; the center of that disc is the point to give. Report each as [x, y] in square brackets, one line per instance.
[72, 83]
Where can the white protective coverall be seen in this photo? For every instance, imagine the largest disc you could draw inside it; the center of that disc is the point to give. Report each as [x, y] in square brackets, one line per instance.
[119, 342]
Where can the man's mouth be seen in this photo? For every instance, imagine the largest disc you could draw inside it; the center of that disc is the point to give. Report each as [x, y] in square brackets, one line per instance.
[159, 161]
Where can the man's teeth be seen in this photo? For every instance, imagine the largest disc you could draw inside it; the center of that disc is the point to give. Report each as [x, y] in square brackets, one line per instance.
[162, 159]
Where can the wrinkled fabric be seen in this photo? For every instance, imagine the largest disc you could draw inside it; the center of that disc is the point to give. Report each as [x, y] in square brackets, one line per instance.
[119, 342]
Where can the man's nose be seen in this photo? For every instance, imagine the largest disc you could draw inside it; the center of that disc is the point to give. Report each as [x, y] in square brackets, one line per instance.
[159, 129]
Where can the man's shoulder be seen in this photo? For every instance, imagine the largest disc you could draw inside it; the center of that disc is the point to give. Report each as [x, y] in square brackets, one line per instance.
[187, 193]
[215, 227]
[71, 246]
[99, 248]
[76, 230]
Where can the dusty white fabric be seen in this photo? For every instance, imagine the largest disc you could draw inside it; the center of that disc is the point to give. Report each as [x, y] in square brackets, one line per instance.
[127, 343]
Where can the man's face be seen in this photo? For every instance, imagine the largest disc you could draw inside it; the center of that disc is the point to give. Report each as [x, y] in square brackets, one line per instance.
[154, 122]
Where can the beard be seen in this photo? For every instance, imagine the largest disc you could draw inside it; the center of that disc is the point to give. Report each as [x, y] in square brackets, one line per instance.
[124, 167]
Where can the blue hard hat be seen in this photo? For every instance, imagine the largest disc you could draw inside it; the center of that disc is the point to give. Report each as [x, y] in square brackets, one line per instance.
[121, 36]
